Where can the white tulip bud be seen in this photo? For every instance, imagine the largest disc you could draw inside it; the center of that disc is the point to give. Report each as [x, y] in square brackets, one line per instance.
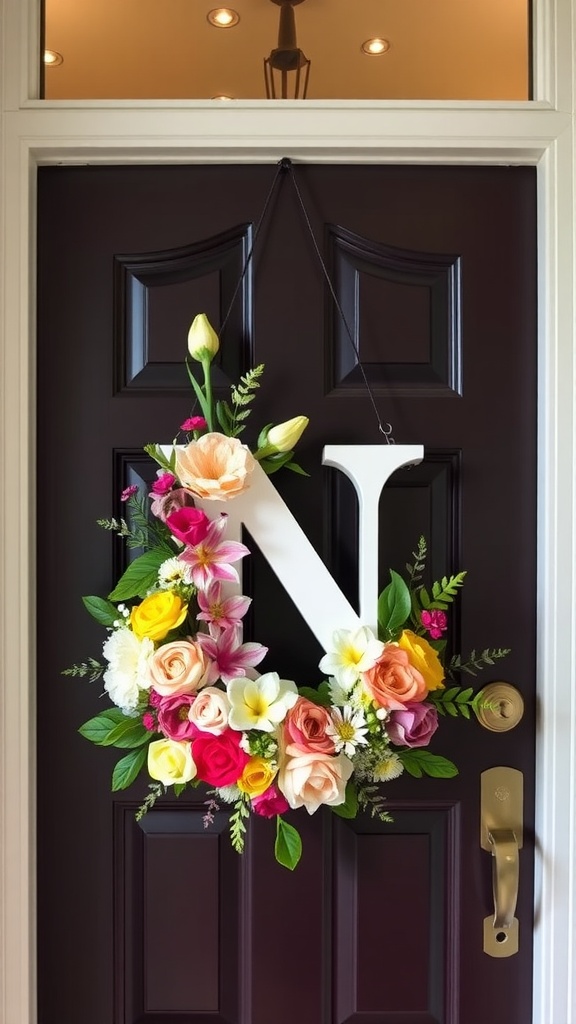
[202, 339]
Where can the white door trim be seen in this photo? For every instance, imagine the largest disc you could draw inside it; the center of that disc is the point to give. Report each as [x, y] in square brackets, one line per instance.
[539, 133]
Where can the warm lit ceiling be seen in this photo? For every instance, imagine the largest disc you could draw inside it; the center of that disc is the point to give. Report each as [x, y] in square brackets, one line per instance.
[166, 49]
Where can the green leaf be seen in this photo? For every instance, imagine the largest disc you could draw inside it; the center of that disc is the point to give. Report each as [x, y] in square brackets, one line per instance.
[418, 762]
[296, 468]
[199, 393]
[224, 417]
[140, 576]
[424, 597]
[349, 809]
[127, 734]
[179, 788]
[98, 729]
[288, 845]
[393, 605]
[263, 436]
[126, 770]
[272, 463]
[318, 696]
[103, 611]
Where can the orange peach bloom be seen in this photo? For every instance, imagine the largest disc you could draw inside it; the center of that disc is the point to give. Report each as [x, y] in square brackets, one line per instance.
[393, 682]
[215, 466]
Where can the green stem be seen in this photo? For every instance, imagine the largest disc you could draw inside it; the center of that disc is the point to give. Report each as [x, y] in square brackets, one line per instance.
[208, 392]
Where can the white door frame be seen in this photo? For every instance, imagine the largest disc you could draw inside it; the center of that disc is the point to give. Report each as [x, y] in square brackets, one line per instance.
[539, 133]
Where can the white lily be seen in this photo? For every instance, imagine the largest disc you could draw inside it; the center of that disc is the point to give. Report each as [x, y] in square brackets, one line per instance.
[355, 651]
[260, 703]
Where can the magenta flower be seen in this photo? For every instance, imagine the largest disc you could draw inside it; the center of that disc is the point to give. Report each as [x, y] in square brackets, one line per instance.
[220, 613]
[210, 560]
[188, 524]
[270, 803]
[163, 483]
[194, 423]
[220, 760]
[435, 622]
[230, 657]
[128, 492]
[148, 721]
[154, 698]
[173, 717]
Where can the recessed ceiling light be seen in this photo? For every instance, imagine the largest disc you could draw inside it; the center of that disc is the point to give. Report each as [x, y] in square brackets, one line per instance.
[222, 97]
[52, 58]
[223, 17]
[375, 47]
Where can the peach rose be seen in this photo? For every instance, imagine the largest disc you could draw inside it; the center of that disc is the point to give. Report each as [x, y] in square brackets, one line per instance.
[424, 658]
[305, 727]
[209, 712]
[179, 667]
[215, 466]
[308, 780]
[393, 682]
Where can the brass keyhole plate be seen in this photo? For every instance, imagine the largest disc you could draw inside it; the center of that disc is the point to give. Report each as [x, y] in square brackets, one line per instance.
[503, 707]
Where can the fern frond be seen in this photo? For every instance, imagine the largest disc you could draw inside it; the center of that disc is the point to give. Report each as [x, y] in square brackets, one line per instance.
[91, 668]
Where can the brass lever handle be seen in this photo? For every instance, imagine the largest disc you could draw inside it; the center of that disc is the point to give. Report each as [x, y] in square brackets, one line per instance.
[501, 833]
[505, 875]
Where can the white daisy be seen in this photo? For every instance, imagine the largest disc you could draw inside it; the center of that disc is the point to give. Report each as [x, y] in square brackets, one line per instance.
[348, 729]
[355, 651]
[172, 571]
[390, 767]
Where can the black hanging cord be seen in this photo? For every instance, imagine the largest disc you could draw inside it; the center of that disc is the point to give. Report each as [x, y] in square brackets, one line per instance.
[284, 167]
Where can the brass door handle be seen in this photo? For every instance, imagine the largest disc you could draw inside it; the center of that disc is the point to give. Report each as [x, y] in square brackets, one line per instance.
[501, 828]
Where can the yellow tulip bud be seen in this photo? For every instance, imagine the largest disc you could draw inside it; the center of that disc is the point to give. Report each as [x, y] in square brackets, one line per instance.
[202, 339]
[285, 436]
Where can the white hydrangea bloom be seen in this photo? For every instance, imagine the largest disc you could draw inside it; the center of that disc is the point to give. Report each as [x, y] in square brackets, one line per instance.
[126, 674]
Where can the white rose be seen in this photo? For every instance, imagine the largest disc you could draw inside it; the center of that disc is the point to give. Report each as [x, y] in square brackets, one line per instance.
[209, 712]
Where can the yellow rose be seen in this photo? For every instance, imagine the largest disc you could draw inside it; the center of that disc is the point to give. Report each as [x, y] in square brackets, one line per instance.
[170, 761]
[157, 615]
[423, 657]
[257, 776]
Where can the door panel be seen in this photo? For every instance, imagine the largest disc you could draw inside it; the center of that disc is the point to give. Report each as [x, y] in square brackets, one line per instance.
[435, 271]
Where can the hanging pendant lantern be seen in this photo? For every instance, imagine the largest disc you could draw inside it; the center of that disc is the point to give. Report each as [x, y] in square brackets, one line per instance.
[287, 69]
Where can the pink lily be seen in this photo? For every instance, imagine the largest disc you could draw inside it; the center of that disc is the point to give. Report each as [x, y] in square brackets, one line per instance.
[231, 658]
[220, 613]
[210, 559]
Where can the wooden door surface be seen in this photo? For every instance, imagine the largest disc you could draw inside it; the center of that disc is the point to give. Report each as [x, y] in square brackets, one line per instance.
[161, 922]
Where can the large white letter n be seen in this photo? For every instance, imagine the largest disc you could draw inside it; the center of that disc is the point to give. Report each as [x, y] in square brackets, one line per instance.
[291, 555]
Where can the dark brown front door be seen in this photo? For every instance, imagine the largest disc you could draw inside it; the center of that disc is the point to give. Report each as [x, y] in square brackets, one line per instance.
[380, 924]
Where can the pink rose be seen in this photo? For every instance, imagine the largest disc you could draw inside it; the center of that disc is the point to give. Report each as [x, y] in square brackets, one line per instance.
[393, 682]
[173, 717]
[163, 483]
[190, 525]
[179, 667]
[269, 803]
[305, 727]
[220, 760]
[209, 712]
[308, 780]
[413, 727]
[164, 505]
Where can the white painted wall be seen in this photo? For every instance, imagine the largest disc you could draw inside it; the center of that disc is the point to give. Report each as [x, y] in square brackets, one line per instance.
[540, 133]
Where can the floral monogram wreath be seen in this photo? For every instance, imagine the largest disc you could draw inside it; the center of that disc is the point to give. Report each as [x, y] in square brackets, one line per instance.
[189, 705]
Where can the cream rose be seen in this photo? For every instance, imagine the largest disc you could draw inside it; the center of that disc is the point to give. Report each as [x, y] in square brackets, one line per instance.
[170, 762]
[209, 712]
[215, 466]
[309, 780]
[179, 667]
